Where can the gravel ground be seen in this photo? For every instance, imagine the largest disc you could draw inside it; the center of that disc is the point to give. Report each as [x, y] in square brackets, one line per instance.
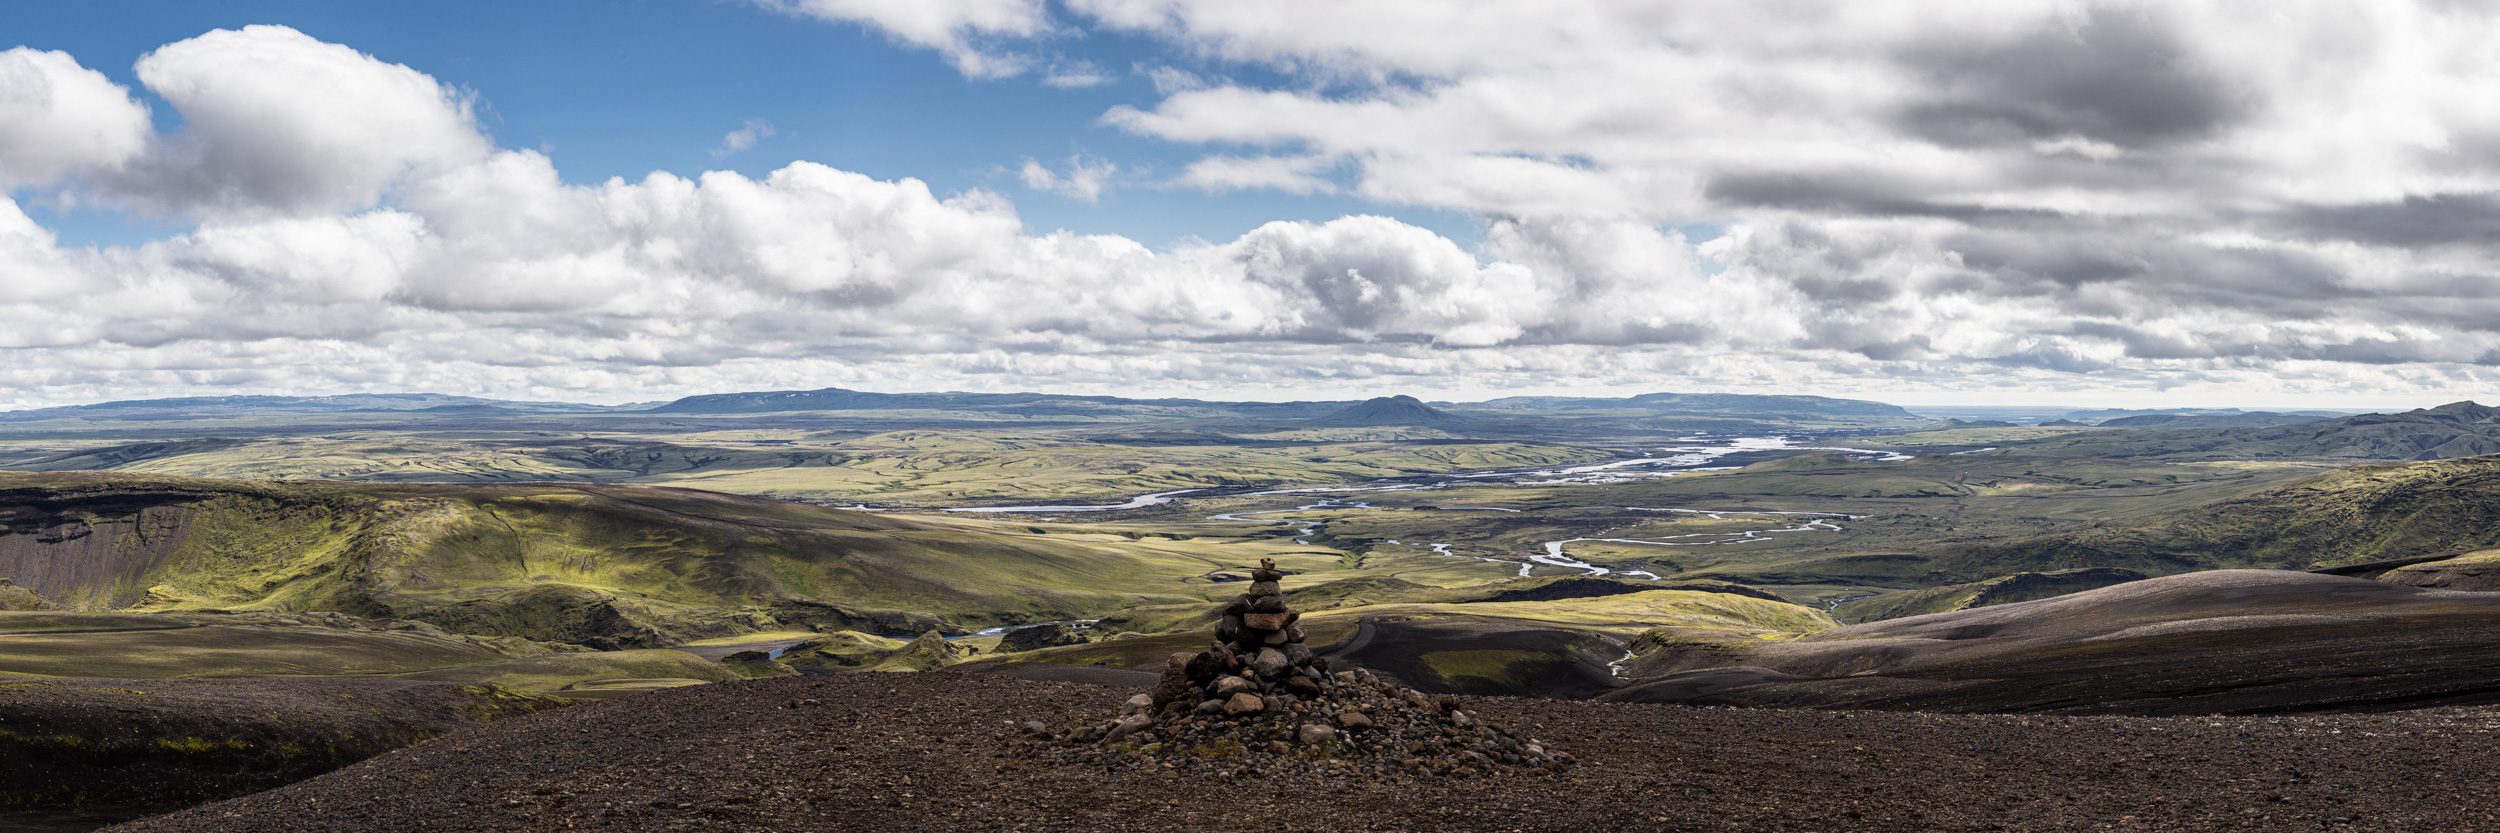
[935, 752]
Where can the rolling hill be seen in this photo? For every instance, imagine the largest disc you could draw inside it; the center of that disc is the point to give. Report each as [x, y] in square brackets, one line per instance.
[2457, 429]
[2257, 419]
[2019, 587]
[2345, 516]
[2227, 641]
[600, 566]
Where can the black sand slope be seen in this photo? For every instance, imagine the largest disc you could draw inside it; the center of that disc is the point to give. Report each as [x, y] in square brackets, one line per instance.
[933, 753]
[2227, 641]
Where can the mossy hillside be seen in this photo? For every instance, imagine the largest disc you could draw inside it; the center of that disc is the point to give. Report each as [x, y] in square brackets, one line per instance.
[597, 674]
[1630, 614]
[2345, 516]
[2454, 430]
[13, 597]
[841, 650]
[164, 645]
[2478, 570]
[1499, 669]
[642, 566]
[2019, 587]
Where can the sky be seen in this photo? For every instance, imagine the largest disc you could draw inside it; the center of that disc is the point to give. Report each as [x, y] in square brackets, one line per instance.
[2247, 204]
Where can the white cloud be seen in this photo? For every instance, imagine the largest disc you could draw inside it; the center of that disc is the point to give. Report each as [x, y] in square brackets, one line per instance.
[275, 121]
[1076, 75]
[740, 140]
[2295, 202]
[965, 31]
[58, 118]
[1084, 181]
[1290, 174]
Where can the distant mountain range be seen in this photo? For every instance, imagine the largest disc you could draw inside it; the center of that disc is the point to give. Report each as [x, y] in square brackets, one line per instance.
[1397, 410]
[204, 407]
[2457, 429]
[1710, 403]
[839, 399]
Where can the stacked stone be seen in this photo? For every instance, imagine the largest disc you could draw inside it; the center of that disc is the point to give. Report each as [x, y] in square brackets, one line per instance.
[1258, 662]
[1258, 700]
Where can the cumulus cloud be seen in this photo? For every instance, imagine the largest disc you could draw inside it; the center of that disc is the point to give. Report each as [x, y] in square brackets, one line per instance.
[276, 121]
[58, 118]
[2114, 196]
[2066, 187]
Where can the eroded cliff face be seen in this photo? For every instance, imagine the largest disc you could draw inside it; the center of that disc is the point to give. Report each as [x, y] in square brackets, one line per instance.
[92, 543]
[92, 551]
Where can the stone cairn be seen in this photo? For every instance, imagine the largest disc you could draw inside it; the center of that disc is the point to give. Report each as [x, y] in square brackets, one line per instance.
[1258, 701]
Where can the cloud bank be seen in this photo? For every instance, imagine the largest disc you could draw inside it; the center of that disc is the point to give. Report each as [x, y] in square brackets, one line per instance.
[2116, 198]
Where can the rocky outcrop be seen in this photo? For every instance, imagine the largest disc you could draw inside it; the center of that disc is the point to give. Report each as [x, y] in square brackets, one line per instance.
[1037, 637]
[2472, 571]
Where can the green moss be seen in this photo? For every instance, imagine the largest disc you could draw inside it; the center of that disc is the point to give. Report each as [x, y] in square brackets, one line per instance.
[200, 745]
[1487, 668]
[43, 742]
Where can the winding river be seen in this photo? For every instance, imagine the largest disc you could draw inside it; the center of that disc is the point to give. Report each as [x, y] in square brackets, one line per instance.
[1698, 454]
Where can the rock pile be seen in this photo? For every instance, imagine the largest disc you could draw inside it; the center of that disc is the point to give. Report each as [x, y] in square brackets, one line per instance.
[1259, 702]
[1037, 637]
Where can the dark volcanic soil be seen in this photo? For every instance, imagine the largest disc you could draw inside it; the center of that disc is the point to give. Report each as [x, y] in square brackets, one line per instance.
[934, 752]
[2221, 641]
[74, 751]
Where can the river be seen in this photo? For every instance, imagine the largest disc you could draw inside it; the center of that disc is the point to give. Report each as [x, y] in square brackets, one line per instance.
[1692, 454]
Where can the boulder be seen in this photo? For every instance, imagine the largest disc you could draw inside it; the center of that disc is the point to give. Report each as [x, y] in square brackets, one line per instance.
[1129, 725]
[1270, 664]
[1244, 703]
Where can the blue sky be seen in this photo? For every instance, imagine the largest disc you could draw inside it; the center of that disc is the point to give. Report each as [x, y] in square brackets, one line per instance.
[621, 88]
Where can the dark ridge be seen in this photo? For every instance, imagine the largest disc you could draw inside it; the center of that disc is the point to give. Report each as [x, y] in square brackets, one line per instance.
[839, 399]
[2247, 420]
[1386, 411]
